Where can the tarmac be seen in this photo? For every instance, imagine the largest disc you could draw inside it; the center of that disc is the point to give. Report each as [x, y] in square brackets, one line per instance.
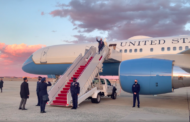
[161, 108]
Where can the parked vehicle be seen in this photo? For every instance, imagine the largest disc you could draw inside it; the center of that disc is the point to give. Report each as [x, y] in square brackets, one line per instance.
[104, 88]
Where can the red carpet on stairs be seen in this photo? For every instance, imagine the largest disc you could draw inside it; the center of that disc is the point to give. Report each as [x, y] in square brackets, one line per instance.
[61, 99]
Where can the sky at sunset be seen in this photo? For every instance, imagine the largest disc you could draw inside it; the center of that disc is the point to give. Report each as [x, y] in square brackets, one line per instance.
[26, 26]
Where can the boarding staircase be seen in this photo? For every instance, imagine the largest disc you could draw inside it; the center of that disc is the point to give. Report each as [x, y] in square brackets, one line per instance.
[84, 68]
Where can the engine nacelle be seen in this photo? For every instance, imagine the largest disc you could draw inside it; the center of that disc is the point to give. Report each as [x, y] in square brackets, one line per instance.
[153, 75]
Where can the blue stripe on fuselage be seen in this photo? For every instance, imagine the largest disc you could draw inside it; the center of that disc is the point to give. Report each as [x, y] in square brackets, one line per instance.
[58, 69]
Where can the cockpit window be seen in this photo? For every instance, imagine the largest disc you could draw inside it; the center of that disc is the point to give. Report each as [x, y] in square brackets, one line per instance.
[29, 60]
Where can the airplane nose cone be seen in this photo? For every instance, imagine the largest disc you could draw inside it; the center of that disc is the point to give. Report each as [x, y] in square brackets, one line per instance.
[26, 66]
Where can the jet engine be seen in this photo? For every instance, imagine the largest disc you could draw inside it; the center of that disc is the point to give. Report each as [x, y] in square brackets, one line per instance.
[155, 76]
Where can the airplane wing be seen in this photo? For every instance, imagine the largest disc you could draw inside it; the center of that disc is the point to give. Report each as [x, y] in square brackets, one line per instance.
[181, 59]
[185, 52]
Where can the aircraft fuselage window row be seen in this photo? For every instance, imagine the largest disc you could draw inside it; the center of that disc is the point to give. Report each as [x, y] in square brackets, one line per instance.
[151, 49]
[131, 50]
[174, 48]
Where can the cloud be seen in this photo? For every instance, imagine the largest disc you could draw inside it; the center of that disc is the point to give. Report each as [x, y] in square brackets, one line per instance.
[125, 18]
[17, 51]
[81, 39]
[13, 56]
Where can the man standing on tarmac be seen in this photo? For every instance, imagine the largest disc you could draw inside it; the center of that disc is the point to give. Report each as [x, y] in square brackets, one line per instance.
[24, 94]
[38, 91]
[75, 90]
[1, 85]
[136, 89]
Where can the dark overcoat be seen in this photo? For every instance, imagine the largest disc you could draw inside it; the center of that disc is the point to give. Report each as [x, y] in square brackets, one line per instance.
[136, 88]
[37, 87]
[43, 88]
[75, 88]
[24, 90]
[101, 43]
[1, 84]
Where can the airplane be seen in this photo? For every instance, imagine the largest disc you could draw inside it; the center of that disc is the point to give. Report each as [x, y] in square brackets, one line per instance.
[151, 61]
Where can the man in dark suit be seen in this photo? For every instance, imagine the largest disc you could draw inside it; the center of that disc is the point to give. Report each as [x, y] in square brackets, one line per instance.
[43, 92]
[1, 85]
[37, 90]
[24, 94]
[101, 44]
[75, 90]
[136, 90]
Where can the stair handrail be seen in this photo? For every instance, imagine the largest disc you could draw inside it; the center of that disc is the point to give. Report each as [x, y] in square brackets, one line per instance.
[52, 97]
[83, 61]
[102, 53]
[86, 85]
[95, 71]
[72, 67]
[89, 53]
[53, 84]
[65, 77]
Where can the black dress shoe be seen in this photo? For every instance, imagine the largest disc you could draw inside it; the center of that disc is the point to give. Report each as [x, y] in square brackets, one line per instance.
[138, 106]
[20, 108]
[72, 108]
[24, 109]
[37, 105]
[133, 106]
[44, 111]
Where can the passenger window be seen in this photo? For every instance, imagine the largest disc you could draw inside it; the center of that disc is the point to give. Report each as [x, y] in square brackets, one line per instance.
[180, 48]
[186, 47]
[174, 48]
[121, 51]
[130, 50]
[140, 50]
[151, 49]
[168, 48]
[108, 82]
[125, 50]
[163, 49]
[135, 50]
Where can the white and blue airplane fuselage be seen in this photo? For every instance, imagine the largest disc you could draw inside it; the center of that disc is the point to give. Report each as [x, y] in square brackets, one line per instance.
[149, 60]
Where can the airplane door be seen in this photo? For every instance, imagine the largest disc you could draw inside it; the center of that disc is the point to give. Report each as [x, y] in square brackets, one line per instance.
[43, 59]
[113, 45]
